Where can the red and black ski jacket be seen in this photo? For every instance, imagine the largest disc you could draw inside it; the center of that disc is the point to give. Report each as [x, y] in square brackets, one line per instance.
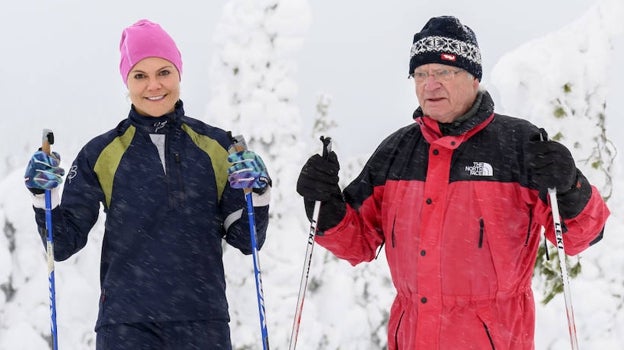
[461, 226]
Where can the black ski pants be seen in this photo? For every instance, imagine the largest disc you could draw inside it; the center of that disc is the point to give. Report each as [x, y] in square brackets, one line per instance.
[195, 335]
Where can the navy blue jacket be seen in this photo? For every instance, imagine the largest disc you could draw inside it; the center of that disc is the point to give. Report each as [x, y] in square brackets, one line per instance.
[162, 247]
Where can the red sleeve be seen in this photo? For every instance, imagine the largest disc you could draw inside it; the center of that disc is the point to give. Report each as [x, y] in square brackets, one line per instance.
[355, 238]
[585, 228]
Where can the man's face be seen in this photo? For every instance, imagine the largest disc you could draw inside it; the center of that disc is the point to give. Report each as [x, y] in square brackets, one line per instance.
[444, 92]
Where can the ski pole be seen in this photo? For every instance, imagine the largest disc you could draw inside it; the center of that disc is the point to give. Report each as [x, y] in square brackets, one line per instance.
[552, 193]
[240, 145]
[308, 258]
[565, 278]
[47, 140]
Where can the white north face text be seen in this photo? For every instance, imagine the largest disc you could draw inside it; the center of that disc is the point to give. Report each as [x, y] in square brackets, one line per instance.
[480, 169]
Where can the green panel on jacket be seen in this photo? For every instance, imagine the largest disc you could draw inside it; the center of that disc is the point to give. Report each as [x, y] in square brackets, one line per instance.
[216, 152]
[108, 161]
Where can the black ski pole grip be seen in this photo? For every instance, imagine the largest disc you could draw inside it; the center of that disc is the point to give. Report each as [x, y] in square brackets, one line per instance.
[326, 146]
[543, 134]
[238, 143]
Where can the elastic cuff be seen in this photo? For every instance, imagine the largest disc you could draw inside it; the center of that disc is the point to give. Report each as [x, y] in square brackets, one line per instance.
[38, 200]
[331, 214]
[261, 200]
[230, 219]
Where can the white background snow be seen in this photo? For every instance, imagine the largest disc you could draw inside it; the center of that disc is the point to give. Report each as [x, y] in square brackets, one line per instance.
[59, 69]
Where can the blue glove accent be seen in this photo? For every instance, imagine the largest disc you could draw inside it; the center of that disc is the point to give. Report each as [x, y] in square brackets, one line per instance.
[247, 171]
[43, 172]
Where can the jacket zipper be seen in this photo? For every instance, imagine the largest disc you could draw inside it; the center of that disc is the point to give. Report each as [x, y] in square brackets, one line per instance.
[168, 177]
[181, 195]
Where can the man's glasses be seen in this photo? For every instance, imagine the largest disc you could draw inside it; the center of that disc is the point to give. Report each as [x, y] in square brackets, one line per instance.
[438, 75]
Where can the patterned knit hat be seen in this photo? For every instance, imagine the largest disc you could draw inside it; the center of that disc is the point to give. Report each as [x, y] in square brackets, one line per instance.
[146, 39]
[446, 40]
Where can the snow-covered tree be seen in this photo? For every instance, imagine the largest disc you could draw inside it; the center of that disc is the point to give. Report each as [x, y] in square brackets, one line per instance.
[564, 91]
[254, 94]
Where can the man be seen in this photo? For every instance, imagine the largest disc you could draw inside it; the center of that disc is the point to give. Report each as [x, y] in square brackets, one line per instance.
[459, 201]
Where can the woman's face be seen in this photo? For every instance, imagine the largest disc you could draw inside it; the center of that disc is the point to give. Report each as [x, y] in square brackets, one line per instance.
[154, 86]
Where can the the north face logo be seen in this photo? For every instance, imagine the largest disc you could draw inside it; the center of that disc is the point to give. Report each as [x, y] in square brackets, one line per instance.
[480, 169]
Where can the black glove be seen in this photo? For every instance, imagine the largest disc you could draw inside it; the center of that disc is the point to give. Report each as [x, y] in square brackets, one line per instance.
[318, 181]
[550, 165]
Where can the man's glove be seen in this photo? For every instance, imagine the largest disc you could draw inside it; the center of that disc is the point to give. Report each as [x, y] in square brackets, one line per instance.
[318, 181]
[248, 171]
[43, 172]
[550, 165]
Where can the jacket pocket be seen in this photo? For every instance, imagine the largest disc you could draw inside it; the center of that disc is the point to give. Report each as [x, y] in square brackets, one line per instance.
[481, 232]
[396, 331]
[489, 335]
[393, 237]
[528, 234]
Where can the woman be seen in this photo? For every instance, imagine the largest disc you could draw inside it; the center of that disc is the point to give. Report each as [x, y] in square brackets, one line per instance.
[171, 191]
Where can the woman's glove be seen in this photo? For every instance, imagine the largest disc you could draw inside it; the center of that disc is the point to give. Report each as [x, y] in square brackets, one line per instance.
[248, 171]
[43, 172]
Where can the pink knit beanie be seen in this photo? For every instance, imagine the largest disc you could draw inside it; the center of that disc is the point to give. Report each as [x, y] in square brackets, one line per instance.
[146, 39]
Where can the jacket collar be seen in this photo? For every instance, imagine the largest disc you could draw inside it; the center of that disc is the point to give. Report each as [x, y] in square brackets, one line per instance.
[157, 125]
[477, 118]
[481, 110]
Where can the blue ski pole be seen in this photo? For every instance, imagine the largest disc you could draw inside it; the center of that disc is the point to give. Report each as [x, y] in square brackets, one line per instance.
[48, 139]
[240, 145]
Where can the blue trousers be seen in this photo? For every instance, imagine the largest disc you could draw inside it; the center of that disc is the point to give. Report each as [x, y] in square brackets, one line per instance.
[195, 335]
